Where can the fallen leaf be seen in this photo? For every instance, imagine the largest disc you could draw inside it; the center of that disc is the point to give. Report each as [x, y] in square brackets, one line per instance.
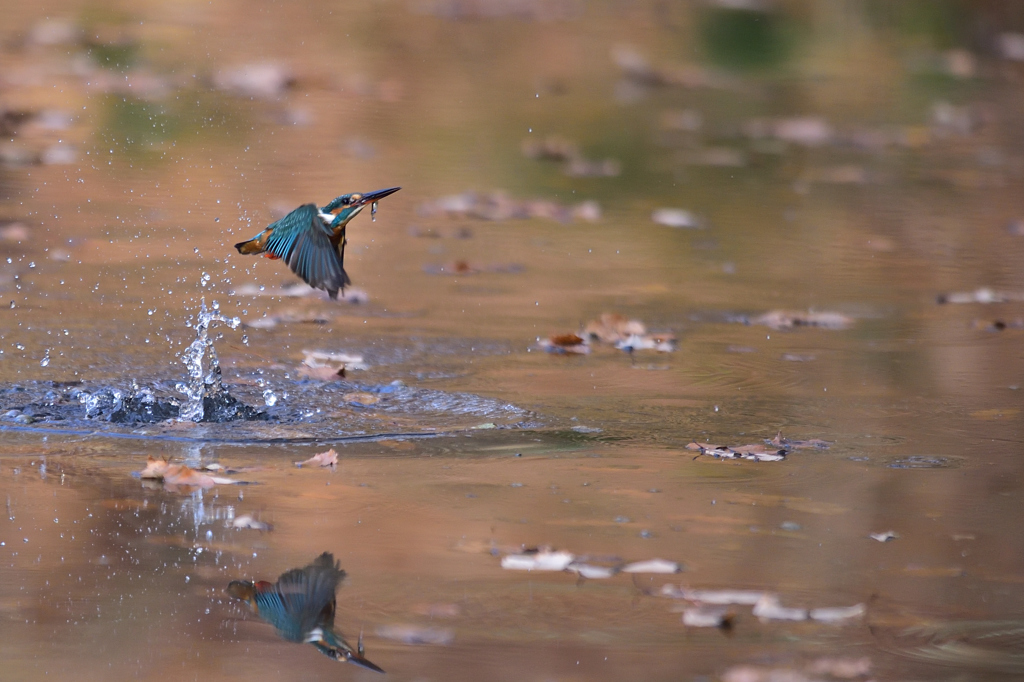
[322, 373]
[709, 617]
[663, 343]
[565, 344]
[173, 475]
[320, 358]
[837, 614]
[652, 566]
[676, 217]
[754, 452]
[786, 319]
[540, 560]
[981, 295]
[247, 522]
[612, 328]
[768, 607]
[884, 537]
[721, 597]
[328, 458]
[590, 570]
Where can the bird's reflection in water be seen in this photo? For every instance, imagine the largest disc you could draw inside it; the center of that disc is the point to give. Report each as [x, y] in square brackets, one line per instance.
[301, 605]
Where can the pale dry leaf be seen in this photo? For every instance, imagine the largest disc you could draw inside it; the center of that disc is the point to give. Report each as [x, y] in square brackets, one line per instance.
[322, 459]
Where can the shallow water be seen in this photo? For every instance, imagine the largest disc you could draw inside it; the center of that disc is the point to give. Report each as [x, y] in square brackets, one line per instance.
[848, 158]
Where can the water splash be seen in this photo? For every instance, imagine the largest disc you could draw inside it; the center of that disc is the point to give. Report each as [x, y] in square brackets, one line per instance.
[204, 374]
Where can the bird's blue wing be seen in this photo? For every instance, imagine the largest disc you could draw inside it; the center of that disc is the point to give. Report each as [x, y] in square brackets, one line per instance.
[301, 598]
[301, 240]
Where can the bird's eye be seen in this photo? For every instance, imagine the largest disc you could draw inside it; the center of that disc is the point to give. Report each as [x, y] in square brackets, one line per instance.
[346, 201]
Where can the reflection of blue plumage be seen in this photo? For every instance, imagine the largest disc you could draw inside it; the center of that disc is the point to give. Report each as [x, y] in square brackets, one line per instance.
[312, 241]
[301, 606]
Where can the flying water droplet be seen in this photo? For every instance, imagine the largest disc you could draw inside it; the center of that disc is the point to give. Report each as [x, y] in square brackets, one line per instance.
[46, 359]
[373, 212]
[270, 398]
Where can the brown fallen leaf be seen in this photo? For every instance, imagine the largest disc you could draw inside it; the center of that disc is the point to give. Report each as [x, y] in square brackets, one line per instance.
[786, 319]
[612, 328]
[321, 459]
[173, 475]
[565, 344]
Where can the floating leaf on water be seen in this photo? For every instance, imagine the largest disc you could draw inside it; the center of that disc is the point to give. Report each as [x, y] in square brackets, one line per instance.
[322, 373]
[652, 566]
[709, 617]
[721, 597]
[981, 295]
[174, 475]
[663, 343]
[416, 634]
[838, 668]
[540, 560]
[837, 614]
[768, 607]
[754, 452]
[676, 217]
[247, 522]
[319, 358]
[265, 80]
[612, 328]
[565, 344]
[590, 570]
[328, 458]
[787, 319]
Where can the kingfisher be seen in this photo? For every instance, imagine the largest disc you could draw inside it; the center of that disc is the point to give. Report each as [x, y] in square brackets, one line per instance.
[301, 605]
[312, 240]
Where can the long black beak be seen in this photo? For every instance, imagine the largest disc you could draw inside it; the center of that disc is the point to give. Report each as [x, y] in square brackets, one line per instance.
[363, 663]
[370, 197]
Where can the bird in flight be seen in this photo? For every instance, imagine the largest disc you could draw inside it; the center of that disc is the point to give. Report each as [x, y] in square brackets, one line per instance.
[301, 606]
[312, 241]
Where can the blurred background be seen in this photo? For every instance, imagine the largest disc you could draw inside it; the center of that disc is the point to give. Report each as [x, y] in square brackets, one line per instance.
[797, 217]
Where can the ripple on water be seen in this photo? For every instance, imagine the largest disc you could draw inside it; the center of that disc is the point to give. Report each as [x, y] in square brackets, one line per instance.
[992, 646]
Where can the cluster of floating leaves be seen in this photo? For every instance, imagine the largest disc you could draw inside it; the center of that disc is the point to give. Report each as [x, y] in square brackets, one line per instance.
[547, 559]
[610, 329]
[712, 608]
[773, 450]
